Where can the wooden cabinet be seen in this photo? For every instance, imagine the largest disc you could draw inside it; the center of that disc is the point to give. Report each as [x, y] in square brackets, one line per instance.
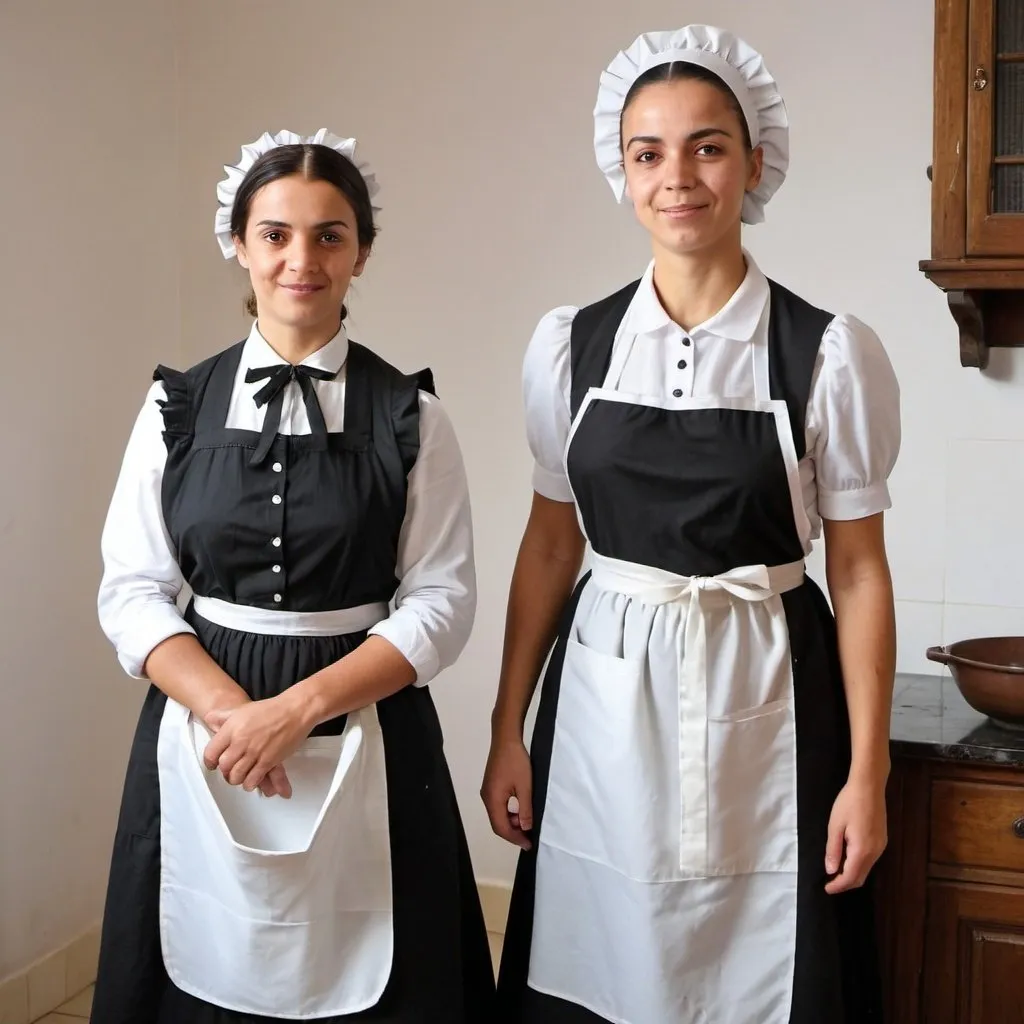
[974, 954]
[950, 894]
[977, 171]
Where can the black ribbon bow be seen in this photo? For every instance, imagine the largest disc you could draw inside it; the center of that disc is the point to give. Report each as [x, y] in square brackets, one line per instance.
[272, 395]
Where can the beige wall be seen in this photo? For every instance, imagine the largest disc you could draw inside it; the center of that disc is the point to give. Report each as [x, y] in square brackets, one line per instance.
[88, 290]
[477, 118]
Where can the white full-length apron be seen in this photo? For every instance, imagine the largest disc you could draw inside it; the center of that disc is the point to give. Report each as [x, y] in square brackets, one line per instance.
[667, 858]
[276, 907]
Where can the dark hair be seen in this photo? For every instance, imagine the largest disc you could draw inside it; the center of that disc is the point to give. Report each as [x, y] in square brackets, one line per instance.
[314, 163]
[678, 71]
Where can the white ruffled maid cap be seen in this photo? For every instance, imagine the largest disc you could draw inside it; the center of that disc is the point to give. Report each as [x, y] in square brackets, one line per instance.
[227, 189]
[736, 63]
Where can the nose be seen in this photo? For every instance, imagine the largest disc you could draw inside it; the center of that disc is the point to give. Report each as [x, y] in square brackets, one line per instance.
[303, 254]
[680, 172]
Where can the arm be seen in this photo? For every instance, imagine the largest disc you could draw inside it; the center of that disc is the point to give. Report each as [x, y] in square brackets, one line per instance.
[860, 586]
[548, 563]
[436, 604]
[141, 582]
[855, 416]
[546, 568]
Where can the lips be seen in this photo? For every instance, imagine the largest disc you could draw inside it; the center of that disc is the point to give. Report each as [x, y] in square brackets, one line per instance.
[304, 289]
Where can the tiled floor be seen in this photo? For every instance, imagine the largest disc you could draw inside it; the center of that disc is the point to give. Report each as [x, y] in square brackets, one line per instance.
[77, 1009]
[74, 1011]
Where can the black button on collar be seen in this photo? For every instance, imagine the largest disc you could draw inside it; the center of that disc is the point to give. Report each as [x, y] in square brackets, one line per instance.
[686, 341]
[682, 364]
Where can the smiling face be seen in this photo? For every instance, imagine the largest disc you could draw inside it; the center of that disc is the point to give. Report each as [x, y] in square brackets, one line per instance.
[301, 248]
[688, 164]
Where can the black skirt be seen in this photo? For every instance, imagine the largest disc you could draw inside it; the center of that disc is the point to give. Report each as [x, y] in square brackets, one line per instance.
[836, 977]
[442, 969]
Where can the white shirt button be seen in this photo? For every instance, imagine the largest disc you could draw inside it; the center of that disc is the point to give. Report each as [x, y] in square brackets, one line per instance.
[277, 568]
[277, 467]
[276, 542]
[277, 499]
[277, 598]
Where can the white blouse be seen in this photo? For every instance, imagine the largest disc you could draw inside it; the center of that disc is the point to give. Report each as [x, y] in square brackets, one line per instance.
[436, 599]
[853, 412]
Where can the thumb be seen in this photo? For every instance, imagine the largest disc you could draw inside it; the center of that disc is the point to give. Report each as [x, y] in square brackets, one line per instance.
[834, 845]
[216, 718]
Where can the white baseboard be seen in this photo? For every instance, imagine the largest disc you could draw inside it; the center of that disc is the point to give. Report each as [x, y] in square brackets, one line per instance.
[52, 981]
[494, 898]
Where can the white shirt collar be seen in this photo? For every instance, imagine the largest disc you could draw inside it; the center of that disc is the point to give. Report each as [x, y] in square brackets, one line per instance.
[737, 320]
[331, 357]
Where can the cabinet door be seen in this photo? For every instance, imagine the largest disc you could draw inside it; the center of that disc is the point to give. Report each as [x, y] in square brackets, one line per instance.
[974, 955]
[995, 129]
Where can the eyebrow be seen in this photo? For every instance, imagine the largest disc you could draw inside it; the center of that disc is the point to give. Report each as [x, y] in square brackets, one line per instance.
[703, 133]
[318, 227]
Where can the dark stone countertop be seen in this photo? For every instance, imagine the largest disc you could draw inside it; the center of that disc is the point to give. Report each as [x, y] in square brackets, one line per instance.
[930, 718]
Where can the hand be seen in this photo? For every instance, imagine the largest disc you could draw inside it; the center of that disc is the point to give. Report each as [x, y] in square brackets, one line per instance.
[252, 740]
[276, 782]
[507, 791]
[858, 823]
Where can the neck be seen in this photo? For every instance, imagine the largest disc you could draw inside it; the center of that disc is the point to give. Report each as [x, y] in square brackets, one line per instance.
[693, 287]
[295, 344]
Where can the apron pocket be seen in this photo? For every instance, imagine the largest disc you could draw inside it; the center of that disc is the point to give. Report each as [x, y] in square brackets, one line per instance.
[604, 801]
[752, 791]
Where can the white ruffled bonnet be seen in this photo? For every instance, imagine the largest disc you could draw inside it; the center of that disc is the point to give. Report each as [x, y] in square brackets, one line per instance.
[739, 66]
[236, 173]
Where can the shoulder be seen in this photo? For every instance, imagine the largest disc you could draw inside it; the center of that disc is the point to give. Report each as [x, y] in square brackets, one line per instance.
[850, 348]
[551, 336]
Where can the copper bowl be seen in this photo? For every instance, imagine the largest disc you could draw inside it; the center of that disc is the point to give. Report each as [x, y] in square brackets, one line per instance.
[989, 672]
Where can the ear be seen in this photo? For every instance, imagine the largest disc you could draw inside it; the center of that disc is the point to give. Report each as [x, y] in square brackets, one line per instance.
[364, 255]
[240, 253]
[756, 168]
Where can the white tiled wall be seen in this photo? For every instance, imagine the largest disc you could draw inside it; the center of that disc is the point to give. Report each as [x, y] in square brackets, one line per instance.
[976, 581]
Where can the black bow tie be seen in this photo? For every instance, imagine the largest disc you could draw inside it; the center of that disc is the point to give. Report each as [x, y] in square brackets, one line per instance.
[273, 393]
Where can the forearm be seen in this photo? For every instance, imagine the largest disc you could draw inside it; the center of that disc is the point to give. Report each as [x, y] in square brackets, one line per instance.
[187, 674]
[541, 585]
[867, 649]
[373, 671]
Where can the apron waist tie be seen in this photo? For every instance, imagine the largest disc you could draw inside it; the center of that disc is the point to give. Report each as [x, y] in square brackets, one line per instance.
[271, 622]
[658, 586]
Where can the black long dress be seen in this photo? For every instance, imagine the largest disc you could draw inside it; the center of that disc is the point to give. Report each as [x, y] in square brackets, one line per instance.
[337, 537]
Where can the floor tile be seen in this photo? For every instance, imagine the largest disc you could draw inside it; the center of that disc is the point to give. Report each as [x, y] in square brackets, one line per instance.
[80, 1006]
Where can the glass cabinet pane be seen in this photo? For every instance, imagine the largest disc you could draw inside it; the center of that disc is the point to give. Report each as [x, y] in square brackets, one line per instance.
[1008, 193]
[1010, 26]
[1009, 108]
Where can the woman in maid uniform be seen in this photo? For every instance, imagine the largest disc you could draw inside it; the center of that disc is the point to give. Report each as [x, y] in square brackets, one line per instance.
[289, 846]
[704, 796]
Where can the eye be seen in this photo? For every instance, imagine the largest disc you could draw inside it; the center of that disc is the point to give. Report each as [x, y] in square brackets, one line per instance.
[709, 149]
[330, 238]
[646, 157]
[274, 237]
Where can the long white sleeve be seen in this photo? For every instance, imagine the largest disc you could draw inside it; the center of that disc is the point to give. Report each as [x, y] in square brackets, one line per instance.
[436, 597]
[141, 579]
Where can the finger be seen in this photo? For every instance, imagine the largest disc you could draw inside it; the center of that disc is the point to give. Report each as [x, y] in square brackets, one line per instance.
[255, 776]
[215, 749]
[239, 768]
[278, 777]
[518, 833]
[855, 871]
[834, 846]
[501, 822]
[524, 797]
